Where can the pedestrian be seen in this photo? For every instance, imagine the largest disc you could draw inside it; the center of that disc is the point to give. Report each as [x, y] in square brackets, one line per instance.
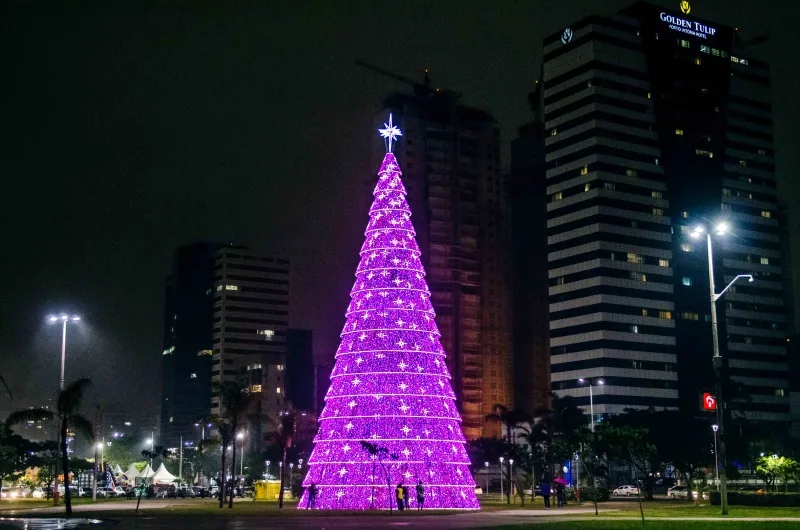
[405, 497]
[312, 496]
[420, 495]
[398, 493]
[560, 494]
[546, 494]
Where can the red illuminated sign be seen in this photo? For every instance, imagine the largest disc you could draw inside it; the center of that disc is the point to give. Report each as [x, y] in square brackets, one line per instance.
[709, 401]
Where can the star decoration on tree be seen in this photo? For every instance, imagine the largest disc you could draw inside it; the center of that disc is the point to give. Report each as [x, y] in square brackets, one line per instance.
[390, 132]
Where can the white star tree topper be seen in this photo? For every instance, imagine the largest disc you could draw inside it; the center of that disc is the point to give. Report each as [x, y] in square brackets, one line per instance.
[390, 132]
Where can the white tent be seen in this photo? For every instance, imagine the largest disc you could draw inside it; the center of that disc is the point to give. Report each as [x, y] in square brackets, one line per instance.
[162, 475]
[117, 470]
[147, 472]
[132, 473]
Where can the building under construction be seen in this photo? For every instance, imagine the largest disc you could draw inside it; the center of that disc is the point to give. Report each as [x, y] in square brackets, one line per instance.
[450, 158]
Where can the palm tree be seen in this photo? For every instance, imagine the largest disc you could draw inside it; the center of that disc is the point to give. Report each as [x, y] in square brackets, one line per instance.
[511, 419]
[234, 403]
[8, 390]
[224, 430]
[69, 401]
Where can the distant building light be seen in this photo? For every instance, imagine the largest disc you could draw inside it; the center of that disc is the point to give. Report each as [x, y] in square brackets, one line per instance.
[230, 287]
[255, 388]
[127, 424]
[193, 376]
[278, 390]
[169, 350]
[204, 352]
[266, 332]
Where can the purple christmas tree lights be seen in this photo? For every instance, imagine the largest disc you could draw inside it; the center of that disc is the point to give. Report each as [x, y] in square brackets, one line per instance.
[390, 414]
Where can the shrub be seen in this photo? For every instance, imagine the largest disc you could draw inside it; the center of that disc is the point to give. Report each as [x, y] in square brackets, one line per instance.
[746, 498]
[588, 493]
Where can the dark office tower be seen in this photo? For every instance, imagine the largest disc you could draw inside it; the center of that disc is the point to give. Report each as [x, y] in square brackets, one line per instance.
[655, 122]
[251, 316]
[528, 206]
[450, 158]
[300, 370]
[186, 359]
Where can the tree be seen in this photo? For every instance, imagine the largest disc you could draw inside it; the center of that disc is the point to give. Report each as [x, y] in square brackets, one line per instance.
[557, 432]
[512, 420]
[15, 454]
[234, 402]
[69, 402]
[772, 467]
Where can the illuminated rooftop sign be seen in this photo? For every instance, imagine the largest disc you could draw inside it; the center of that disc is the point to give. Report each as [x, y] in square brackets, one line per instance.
[690, 27]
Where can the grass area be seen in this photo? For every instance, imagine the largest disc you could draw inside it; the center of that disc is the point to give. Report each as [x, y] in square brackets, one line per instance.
[668, 509]
[652, 525]
[30, 504]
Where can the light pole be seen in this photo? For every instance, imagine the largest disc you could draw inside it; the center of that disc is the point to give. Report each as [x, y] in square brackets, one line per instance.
[501, 477]
[64, 318]
[240, 437]
[591, 396]
[720, 229]
[510, 479]
[486, 465]
[267, 462]
[97, 446]
[291, 472]
[715, 427]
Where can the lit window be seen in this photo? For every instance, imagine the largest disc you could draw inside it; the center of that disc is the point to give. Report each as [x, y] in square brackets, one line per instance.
[663, 263]
[553, 132]
[609, 185]
[560, 280]
[644, 312]
[278, 390]
[765, 261]
[704, 152]
[169, 350]
[658, 211]
[726, 192]
[280, 368]
[171, 418]
[679, 132]
[231, 287]
[666, 315]
[743, 163]
[584, 170]
[762, 152]
[656, 195]
[684, 43]
[634, 328]
[193, 376]
[558, 196]
[697, 61]
[687, 315]
[734, 59]
[715, 52]
[704, 48]
[766, 213]
[630, 172]
[744, 61]
[204, 352]
[255, 388]
[219, 288]
[587, 187]
[687, 281]
[266, 332]
[685, 215]
[634, 258]
[649, 95]
[638, 276]
[779, 392]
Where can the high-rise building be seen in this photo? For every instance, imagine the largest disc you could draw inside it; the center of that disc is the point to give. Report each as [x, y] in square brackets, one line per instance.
[528, 206]
[251, 318]
[450, 158]
[188, 338]
[655, 122]
[226, 316]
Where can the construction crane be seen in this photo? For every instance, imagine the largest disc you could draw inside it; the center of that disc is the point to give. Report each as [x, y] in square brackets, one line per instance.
[420, 89]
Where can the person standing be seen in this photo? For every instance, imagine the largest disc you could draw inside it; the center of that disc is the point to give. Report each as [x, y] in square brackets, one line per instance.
[420, 495]
[546, 494]
[405, 497]
[561, 494]
[312, 496]
[398, 493]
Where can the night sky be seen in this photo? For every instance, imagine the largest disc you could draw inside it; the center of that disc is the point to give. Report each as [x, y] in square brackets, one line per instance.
[130, 131]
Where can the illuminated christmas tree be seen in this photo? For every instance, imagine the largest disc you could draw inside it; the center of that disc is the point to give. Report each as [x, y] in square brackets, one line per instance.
[390, 415]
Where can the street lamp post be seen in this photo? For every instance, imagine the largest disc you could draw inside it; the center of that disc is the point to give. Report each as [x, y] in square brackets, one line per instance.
[64, 319]
[715, 427]
[267, 462]
[486, 465]
[291, 472]
[510, 479]
[591, 397]
[501, 477]
[720, 229]
[240, 437]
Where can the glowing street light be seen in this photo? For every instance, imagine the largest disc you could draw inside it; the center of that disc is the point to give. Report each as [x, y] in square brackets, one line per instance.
[591, 396]
[501, 477]
[63, 318]
[486, 465]
[720, 229]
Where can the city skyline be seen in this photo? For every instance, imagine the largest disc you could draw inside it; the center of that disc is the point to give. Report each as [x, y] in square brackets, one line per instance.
[111, 184]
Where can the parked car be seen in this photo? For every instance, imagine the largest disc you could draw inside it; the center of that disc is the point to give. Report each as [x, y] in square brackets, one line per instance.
[9, 493]
[110, 492]
[626, 490]
[678, 492]
[38, 493]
